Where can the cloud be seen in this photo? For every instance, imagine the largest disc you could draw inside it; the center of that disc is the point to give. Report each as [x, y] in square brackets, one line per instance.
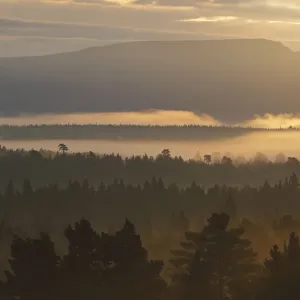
[155, 117]
[274, 121]
[180, 3]
[30, 38]
[193, 3]
[212, 19]
[97, 2]
[152, 19]
[17, 27]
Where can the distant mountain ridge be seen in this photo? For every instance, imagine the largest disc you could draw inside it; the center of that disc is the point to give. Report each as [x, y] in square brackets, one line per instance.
[229, 79]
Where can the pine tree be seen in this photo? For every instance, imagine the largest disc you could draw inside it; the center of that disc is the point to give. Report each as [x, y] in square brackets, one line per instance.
[282, 272]
[34, 269]
[85, 263]
[133, 276]
[294, 181]
[215, 261]
[109, 266]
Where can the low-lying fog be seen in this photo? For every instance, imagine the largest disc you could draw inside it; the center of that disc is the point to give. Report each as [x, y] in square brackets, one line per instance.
[270, 143]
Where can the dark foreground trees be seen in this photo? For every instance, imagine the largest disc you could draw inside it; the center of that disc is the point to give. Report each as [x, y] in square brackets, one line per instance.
[34, 269]
[282, 272]
[217, 263]
[96, 266]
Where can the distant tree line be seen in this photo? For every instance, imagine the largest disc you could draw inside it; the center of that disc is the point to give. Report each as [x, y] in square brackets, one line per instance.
[160, 212]
[127, 132]
[42, 167]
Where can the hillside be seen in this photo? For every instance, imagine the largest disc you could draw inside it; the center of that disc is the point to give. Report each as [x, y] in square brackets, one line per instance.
[229, 79]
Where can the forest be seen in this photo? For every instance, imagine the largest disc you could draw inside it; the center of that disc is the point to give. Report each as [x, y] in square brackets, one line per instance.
[44, 167]
[89, 226]
[152, 241]
[127, 132]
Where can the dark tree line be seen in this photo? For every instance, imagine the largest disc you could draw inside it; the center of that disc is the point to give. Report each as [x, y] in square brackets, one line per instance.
[95, 266]
[160, 212]
[42, 167]
[140, 132]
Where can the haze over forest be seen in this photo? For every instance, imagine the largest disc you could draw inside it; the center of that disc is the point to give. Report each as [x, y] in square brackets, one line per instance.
[149, 149]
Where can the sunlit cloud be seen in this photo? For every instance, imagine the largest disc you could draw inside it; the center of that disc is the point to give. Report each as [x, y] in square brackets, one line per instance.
[274, 121]
[212, 19]
[271, 19]
[156, 117]
[283, 22]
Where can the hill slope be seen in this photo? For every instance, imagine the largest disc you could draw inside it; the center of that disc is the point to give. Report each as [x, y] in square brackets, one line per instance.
[229, 79]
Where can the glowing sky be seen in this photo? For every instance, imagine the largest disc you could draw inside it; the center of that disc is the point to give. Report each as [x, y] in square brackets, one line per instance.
[88, 22]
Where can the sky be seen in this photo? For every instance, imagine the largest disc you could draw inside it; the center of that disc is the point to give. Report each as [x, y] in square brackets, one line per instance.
[29, 26]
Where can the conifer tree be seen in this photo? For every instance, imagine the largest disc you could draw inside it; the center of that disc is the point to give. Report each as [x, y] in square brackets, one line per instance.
[282, 272]
[215, 261]
[34, 269]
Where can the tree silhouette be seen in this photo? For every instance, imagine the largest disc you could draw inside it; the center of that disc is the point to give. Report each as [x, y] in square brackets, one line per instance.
[165, 154]
[294, 181]
[63, 148]
[282, 272]
[133, 276]
[85, 262]
[216, 261]
[34, 269]
[114, 266]
[207, 159]
[292, 161]
[226, 160]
